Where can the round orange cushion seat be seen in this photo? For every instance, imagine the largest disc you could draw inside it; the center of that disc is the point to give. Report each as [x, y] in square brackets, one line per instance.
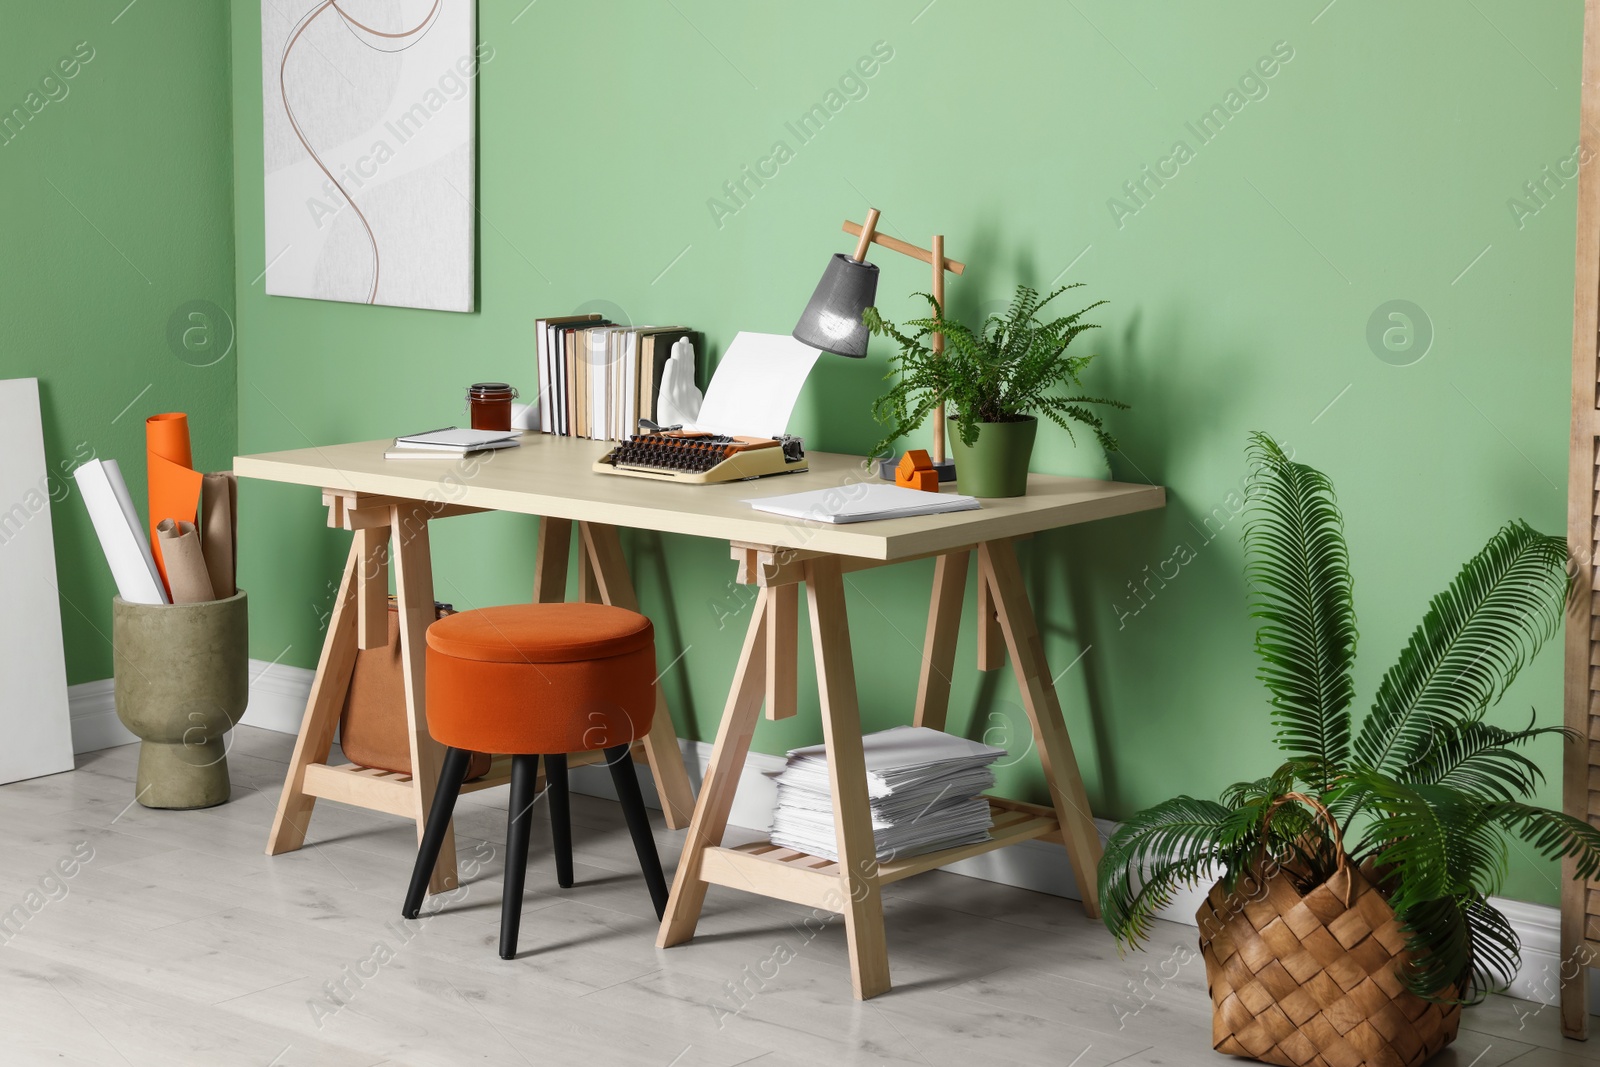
[541, 678]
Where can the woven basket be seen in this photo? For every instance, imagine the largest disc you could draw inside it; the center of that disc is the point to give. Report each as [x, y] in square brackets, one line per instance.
[1312, 980]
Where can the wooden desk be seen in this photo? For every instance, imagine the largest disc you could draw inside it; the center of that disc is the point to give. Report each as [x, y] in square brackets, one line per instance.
[549, 476]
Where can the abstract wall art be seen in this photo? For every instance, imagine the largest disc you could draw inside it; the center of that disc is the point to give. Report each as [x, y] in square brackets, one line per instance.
[369, 150]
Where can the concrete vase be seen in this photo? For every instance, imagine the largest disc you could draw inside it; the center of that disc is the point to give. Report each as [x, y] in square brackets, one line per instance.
[182, 682]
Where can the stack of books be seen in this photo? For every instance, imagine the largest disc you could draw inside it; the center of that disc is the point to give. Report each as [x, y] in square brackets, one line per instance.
[923, 785]
[597, 379]
[450, 441]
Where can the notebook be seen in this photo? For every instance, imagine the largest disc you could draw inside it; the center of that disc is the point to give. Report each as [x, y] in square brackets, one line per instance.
[454, 440]
[862, 502]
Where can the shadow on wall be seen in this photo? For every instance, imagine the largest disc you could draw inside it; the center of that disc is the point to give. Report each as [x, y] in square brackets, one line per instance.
[647, 550]
[1153, 564]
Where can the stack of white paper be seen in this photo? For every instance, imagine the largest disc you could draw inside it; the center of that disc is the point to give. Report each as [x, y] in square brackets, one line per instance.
[923, 786]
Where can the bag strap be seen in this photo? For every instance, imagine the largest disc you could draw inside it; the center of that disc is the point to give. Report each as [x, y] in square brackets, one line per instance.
[1319, 813]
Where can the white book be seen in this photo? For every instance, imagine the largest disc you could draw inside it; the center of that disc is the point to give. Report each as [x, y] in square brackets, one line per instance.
[122, 536]
[541, 350]
[862, 502]
[599, 344]
[558, 366]
[630, 388]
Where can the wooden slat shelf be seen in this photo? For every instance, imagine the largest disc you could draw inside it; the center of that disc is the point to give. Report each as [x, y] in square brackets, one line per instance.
[815, 881]
[369, 787]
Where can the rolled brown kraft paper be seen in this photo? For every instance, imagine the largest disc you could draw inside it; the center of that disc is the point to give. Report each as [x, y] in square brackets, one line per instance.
[219, 539]
[186, 564]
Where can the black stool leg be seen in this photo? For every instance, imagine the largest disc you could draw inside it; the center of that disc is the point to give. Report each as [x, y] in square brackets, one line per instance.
[620, 760]
[555, 778]
[444, 805]
[524, 779]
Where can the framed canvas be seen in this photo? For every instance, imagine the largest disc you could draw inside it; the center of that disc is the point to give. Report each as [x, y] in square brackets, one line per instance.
[34, 719]
[368, 147]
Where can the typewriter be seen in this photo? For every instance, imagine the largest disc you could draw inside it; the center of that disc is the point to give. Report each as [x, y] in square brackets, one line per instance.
[698, 458]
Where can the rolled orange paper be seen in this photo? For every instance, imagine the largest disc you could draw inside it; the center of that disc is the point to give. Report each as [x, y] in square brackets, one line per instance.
[174, 483]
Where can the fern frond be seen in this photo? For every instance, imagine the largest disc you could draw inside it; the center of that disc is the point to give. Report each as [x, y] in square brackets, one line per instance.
[1013, 364]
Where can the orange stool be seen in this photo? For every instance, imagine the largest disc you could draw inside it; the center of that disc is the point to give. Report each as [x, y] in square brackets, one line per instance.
[533, 680]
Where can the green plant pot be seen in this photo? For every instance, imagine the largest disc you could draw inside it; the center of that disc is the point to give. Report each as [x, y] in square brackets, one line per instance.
[996, 464]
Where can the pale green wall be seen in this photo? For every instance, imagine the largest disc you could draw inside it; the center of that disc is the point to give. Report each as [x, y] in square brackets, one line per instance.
[117, 194]
[1377, 167]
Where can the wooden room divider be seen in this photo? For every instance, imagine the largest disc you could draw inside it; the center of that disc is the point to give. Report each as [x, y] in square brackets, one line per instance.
[1580, 901]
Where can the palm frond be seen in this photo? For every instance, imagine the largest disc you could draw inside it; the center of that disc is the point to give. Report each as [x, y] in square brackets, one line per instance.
[1174, 844]
[1299, 573]
[1471, 644]
[1478, 757]
[1496, 950]
[1553, 834]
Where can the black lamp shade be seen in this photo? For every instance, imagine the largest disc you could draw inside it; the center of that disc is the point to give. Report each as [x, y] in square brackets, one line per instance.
[832, 320]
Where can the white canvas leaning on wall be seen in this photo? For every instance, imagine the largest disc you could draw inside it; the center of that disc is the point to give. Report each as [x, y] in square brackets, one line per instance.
[35, 725]
[369, 150]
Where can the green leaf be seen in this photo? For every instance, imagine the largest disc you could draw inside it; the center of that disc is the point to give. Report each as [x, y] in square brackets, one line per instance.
[1471, 644]
[1477, 757]
[1173, 844]
[1299, 573]
[1553, 834]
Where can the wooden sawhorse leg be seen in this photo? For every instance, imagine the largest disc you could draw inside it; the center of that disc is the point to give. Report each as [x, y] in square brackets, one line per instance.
[395, 532]
[604, 578]
[328, 688]
[857, 878]
[998, 569]
[413, 583]
[711, 809]
[858, 896]
[939, 646]
[847, 778]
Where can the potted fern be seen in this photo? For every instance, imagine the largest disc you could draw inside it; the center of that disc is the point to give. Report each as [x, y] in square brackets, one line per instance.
[1352, 918]
[998, 379]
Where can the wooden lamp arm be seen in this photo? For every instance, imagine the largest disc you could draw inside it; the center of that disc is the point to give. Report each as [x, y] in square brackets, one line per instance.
[866, 235]
[894, 244]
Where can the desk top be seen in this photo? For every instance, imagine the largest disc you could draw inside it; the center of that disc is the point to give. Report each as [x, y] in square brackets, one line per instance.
[551, 476]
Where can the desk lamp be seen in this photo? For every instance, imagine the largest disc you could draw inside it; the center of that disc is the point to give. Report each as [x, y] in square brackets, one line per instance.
[849, 285]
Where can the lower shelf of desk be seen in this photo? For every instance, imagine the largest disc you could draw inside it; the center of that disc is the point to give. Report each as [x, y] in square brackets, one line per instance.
[389, 791]
[771, 870]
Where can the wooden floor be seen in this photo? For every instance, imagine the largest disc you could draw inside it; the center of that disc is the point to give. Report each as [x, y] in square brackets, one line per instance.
[179, 942]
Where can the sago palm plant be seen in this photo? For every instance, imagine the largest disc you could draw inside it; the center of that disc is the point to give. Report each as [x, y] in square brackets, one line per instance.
[1427, 792]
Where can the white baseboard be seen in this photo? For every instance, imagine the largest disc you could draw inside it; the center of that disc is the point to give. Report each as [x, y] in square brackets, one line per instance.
[93, 709]
[278, 697]
[277, 702]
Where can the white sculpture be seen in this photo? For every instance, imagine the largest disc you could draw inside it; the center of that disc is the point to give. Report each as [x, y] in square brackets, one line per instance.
[679, 400]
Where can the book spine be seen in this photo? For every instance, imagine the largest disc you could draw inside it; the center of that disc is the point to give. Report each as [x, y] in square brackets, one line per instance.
[541, 352]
